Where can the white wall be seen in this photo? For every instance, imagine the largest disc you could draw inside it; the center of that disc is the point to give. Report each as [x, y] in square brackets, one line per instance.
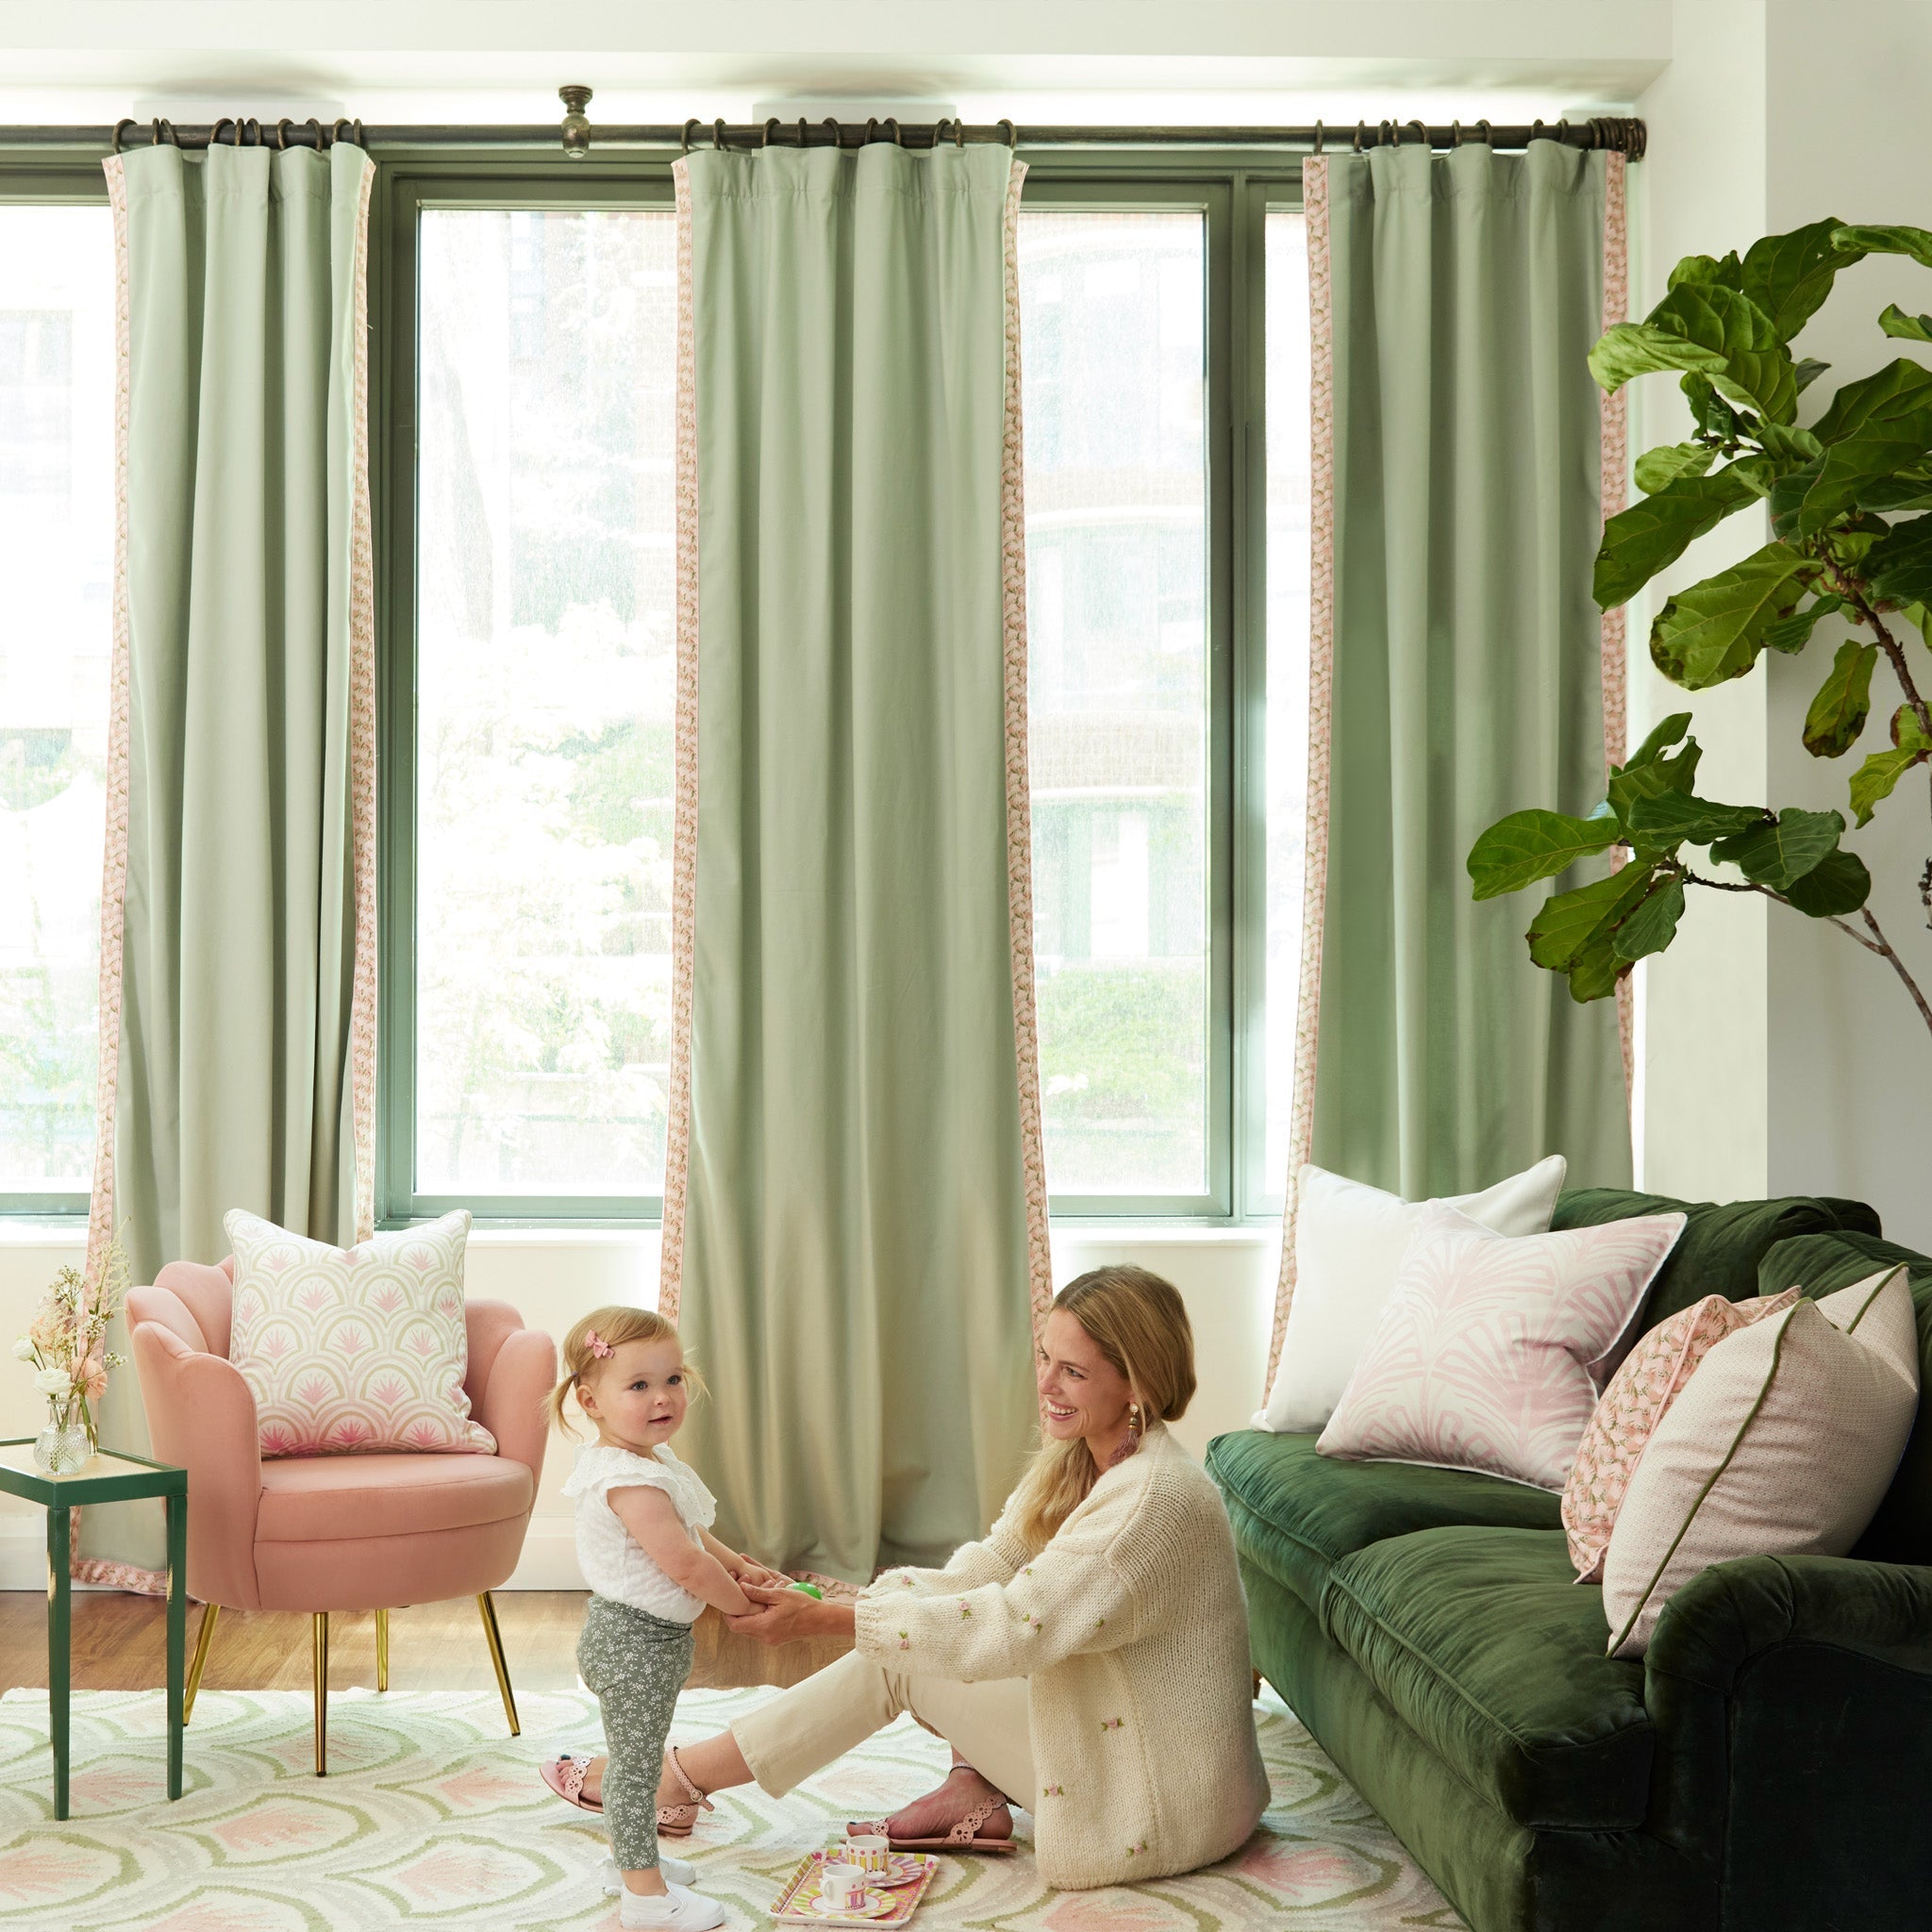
[1226, 1277]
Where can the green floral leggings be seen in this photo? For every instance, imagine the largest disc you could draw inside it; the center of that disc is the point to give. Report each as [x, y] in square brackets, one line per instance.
[636, 1664]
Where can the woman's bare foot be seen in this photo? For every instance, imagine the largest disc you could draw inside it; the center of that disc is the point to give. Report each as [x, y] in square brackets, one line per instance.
[963, 1793]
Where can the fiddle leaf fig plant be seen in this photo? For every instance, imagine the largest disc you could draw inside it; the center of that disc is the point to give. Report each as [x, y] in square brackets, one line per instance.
[1849, 564]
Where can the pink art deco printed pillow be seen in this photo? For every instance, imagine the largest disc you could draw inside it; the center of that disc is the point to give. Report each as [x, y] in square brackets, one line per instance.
[355, 1349]
[1492, 1351]
[1641, 1392]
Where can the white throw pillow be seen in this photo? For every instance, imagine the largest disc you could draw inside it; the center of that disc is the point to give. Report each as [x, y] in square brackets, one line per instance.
[1783, 1443]
[1349, 1241]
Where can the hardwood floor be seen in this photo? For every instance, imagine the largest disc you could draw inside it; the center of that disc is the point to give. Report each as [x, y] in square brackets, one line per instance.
[119, 1644]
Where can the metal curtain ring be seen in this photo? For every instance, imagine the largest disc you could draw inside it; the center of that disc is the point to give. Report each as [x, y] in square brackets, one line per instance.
[871, 121]
[684, 135]
[114, 138]
[717, 132]
[831, 121]
[1536, 132]
[801, 130]
[959, 134]
[1489, 135]
[214, 133]
[1012, 132]
[765, 139]
[1360, 127]
[1318, 134]
[282, 133]
[1422, 132]
[891, 120]
[314, 127]
[938, 130]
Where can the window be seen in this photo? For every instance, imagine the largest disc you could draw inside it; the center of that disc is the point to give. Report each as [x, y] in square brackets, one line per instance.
[545, 363]
[57, 533]
[530, 364]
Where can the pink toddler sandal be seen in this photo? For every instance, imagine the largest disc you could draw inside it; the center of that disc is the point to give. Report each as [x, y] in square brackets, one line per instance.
[675, 1821]
[565, 1777]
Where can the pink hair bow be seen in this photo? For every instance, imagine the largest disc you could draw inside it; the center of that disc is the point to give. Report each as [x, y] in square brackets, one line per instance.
[598, 1347]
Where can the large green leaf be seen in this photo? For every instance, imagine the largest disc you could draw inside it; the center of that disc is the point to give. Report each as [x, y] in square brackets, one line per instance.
[1837, 884]
[1531, 845]
[1715, 417]
[1650, 926]
[1715, 629]
[1909, 329]
[1907, 731]
[1676, 816]
[1652, 779]
[1785, 849]
[1911, 489]
[1855, 242]
[1757, 369]
[1669, 460]
[1881, 448]
[1656, 530]
[1844, 702]
[1789, 276]
[1899, 565]
[1873, 780]
[1792, 634]
[1708, 268]
[1663, 734]
[1636, 348]
[1568, 920]
[1901, 389]
[1595, 971]
[1789, 443]
[1809, 370]
[1788, 499]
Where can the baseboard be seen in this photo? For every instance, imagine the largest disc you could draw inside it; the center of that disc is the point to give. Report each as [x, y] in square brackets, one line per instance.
[549, 1559]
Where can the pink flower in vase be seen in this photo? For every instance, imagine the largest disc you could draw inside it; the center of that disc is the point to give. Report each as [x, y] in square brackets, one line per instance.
[93, 1375]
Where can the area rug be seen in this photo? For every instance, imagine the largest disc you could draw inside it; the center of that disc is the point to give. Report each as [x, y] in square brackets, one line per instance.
[432, 1816]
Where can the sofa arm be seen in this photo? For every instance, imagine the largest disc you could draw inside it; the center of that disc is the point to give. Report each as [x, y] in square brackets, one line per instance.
[1792, 1701]
[511, 1408]
[201, 1417]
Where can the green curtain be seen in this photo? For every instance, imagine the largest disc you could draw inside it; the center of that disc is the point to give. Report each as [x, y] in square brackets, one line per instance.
[243, 636]
[851, 1262]
[1466, 292]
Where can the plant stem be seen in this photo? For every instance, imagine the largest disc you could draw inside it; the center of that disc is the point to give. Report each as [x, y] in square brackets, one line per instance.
[1878, 944]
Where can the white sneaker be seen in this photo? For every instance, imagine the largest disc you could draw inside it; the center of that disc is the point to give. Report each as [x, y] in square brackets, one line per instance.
[675, 1871]
[680, 1908]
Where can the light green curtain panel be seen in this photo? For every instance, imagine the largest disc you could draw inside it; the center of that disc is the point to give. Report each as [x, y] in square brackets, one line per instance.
[1464, 292]
[237, 928]
[854, 1213]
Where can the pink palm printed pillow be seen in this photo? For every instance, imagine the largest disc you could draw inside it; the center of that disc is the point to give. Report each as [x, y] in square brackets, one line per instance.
[361, 1348]
[1491, 1350]
[1639, 1393]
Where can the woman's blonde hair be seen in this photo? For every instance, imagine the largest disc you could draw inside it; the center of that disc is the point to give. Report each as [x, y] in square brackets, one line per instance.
[613, 1327]
[1140, 1324]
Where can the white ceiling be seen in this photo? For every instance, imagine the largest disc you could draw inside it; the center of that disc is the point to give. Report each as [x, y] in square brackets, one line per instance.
[1075, 59]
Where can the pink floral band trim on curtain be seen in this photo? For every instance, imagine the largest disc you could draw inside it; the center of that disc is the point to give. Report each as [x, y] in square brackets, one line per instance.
[1019, 797]
[1301, 1128]
[1613, 655]
[684, 780]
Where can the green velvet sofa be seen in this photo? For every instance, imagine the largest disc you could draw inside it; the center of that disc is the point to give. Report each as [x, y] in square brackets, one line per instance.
[1767, 1765]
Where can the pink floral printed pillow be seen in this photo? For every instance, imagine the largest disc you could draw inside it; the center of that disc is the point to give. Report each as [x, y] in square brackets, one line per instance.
[1653, 1374]
[355, 1349]
[1491, 1350]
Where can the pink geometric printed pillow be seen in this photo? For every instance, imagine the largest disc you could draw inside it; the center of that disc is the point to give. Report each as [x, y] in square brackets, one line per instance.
[1635, 1403]
[1492, 1350]
[357, 1349]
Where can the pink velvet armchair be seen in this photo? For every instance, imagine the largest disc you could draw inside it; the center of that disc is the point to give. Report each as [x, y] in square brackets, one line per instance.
[326, 1533]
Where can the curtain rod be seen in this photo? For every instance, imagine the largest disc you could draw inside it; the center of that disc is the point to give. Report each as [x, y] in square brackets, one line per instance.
[576, 134]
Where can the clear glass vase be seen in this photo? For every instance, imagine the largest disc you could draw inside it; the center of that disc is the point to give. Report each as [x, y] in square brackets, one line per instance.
[67, 1443]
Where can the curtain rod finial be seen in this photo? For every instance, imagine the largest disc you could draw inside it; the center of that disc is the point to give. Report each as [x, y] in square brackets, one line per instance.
[576, 123]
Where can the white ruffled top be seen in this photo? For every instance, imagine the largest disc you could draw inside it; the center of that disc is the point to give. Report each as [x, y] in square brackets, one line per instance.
[613, 1563]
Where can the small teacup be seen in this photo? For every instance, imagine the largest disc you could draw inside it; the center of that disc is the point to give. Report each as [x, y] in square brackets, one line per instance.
[871, 1851]
[843, 1885]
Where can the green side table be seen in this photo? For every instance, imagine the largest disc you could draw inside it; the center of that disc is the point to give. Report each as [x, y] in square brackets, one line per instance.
[111, 1478]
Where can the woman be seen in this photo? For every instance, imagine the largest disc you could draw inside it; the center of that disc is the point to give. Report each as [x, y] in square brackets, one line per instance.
[1087, 1660]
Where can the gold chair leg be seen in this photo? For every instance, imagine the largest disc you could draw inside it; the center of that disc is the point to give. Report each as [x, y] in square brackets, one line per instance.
[204, 1638]
[494, 1638]
[319, 1648]
[382, 1650]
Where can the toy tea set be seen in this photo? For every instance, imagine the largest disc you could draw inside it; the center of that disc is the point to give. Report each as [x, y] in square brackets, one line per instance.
[861, 1882]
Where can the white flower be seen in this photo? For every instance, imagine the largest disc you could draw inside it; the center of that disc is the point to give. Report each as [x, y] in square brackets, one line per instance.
[23, 1350]
[54, 1381]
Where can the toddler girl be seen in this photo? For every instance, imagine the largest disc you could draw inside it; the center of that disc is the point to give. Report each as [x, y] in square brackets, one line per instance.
[644, 1542]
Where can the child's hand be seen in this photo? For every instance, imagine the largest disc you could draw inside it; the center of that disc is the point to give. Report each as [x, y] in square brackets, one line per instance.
[746, 1571]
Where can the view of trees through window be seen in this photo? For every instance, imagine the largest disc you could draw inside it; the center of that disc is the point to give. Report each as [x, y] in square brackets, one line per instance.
[57, 530]
[545, 653]
[1112, 355]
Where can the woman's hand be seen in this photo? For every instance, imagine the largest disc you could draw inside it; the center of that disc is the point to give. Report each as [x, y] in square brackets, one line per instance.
[782, 1616]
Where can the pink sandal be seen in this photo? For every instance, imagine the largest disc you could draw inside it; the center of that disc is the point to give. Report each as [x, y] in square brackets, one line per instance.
[963, 1837]
[566, 1778]
[675, 1821]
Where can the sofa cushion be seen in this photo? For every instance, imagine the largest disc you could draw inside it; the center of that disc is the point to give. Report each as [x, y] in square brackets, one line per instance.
[1297, 1514]
[328, 1498]
[1821, 1264]
[1482, 1640]
[1722, 1243]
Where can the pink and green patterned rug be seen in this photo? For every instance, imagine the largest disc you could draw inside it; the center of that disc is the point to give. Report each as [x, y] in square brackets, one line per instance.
[432, 1816]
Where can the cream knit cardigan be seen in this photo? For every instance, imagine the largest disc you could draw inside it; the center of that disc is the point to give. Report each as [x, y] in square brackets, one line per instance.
[1132, 1632]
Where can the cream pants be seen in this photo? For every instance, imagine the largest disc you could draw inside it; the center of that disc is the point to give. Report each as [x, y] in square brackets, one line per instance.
[805, 1728]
